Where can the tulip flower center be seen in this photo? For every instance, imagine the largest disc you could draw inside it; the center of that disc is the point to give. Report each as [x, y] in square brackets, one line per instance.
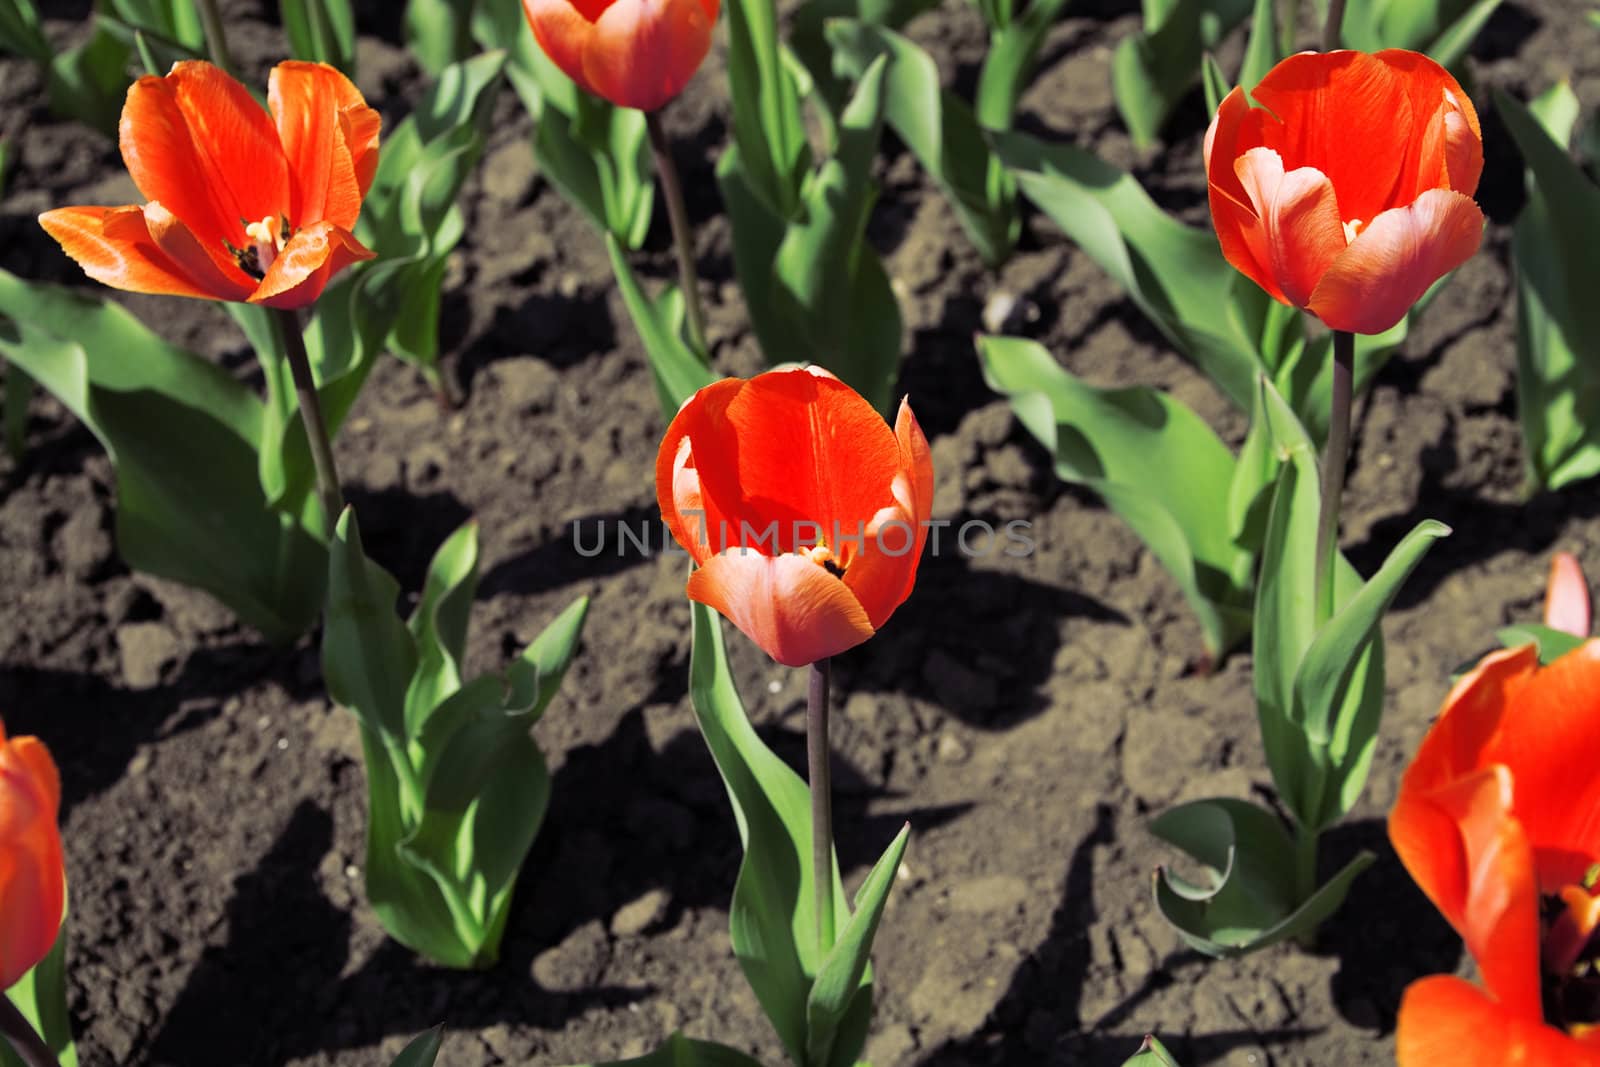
[822, 556]
[1572, 954]
[267, 239]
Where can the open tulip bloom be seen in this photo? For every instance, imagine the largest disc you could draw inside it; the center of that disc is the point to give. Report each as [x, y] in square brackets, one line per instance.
[805, 513]
[243, 206]
[1498, 820]
[634, 53]
[1348, 191]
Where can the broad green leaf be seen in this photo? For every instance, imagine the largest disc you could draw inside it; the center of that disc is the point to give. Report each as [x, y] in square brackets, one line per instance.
[19, 390]
[679, 373]
[438, 625]
[41, 995]
[535, 675]
[1556, 249]
[837, 996]
[1553, 644]
[680, 1051]
[439, 32]
[423, 1050]
[1152, 71]
[941, 131]
[772, 919]
[368, 654]
[182, 435]
[808, 42]
[176, 20]
[1451, 44]
[1214, 82]
[1324, 682]
[1261, 49]
[20, 33]
[322, 31]
[767, 125]
[89, 83]
[1174, 273]
[1152, 1053]
[1014, 43]
[1443, 28]
[1156, 463]
[1248, 901]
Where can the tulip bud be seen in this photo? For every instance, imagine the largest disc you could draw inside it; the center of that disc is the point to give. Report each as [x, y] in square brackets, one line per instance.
[32, 875]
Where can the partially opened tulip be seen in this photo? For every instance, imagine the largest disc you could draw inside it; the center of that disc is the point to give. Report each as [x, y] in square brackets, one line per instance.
[242, 205]
[32, 877]
[634, 53]
[805, 512]
[1348, 191]
[1498, 820]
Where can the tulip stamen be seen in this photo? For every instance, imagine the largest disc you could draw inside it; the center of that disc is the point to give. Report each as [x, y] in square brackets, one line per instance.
[1352, 230]
[1571, 954]
[267, 239]
[822, 556]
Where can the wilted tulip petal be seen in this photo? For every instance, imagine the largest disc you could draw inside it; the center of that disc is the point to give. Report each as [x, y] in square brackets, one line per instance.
[805, 512]
[634, 53]
[243, 205]
[32, 876]
[1498, 820]
[1348, 191]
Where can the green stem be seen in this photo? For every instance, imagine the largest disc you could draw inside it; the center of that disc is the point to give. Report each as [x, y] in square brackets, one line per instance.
[216, 39]
[22, 1037]
[1305, 863]
[1334, 457]
[821, 802]
[1331, 36]
[305, 387]
[682, 239]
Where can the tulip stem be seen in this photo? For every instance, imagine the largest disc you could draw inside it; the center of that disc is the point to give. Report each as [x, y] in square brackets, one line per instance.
[23, 1038]
[1332, 35]
[216, 38]
[683, 241]
[305, 387]
[821, 802]
[1334, 458]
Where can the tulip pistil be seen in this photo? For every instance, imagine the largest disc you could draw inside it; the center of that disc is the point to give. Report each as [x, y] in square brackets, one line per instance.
[822, 556]
[1352, 230]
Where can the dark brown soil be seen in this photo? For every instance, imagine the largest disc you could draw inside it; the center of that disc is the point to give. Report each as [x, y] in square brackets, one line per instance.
[1026, 715]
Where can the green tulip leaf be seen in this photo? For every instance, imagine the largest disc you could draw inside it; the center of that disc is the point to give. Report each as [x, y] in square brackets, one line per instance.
[1152, 71]
[1248, 898]
[1556, 249]
[1552, 643]
[423, 1050]
[183, 436]
[679, 373]
[21, 33]
[1156, 464]
[772, 919]
[941, 131]
[41, 996]
[322, 31]
[438, 625]
[837, 1012]
[1014, 43]
[1152, 1053]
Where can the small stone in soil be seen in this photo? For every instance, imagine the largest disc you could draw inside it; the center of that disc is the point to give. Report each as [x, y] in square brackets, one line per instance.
[952, 749]
[145, 649]
[639, 915]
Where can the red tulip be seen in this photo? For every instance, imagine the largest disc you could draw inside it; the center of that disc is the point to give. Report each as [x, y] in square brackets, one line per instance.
[1498, 820]
[1348, 192]
[634, 53]
[32, 877]
[243, 206]
[805, 512]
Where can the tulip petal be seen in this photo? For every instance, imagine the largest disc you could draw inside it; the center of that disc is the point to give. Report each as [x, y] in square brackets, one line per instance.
[34, 761]
[32, 882]
[114, 247]
[794, 609]
[1299, 232]
[563, 31]
[306, 265]
[1390, 264]
[1234, 130]
[883, 573]
[1552, 745]
[317, 108]
[643, 52]
[1566, 601]
[198, 142]
[691, 518]
[799, 447]
[1447, 1022]
[215, 274]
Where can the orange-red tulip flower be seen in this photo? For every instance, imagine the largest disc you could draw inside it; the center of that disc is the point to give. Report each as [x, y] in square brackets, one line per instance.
[1498, 820]
[243, 205]
[634, 53]
[32, 879]
[1348, 192]
[805, 512]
